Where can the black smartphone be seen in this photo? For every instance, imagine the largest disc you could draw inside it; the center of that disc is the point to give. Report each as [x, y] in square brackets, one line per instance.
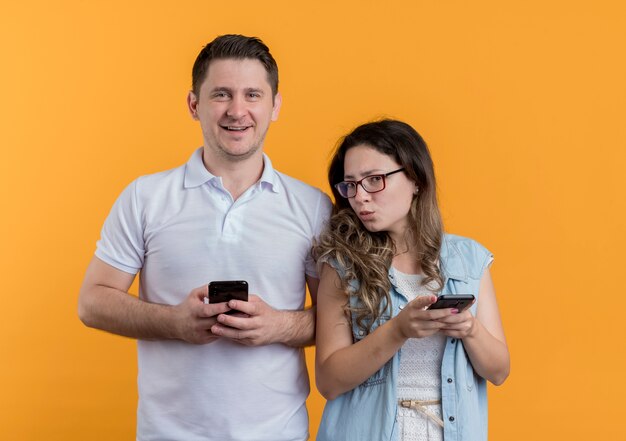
[458, 301]
[225, 290]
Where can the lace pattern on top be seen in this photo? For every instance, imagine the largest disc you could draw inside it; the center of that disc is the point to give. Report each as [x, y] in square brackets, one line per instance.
[419, 376]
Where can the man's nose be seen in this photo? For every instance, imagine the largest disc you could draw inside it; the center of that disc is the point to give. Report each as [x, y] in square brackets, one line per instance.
[236, 108]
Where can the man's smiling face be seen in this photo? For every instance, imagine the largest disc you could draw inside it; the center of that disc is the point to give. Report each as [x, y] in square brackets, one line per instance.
[235, 107]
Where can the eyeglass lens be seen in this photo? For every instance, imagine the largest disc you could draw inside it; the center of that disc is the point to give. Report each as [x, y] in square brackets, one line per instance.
[371, 184]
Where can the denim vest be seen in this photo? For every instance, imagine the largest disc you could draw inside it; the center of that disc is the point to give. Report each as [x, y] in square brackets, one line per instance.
[368, 412]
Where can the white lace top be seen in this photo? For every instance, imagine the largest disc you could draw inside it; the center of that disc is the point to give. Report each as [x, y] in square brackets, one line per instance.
[419, 372]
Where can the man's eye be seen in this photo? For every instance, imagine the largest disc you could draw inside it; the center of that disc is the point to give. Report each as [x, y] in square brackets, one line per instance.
[254, 95]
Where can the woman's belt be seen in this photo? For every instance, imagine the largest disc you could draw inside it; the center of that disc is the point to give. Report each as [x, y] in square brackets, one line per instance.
[420, 406]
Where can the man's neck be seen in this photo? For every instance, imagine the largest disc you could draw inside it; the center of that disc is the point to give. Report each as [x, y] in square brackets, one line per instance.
[237, 176]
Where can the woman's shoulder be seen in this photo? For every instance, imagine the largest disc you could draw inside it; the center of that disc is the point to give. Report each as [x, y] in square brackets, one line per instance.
[461, 242]
[343, 268]
[464, 257]
[336, 263]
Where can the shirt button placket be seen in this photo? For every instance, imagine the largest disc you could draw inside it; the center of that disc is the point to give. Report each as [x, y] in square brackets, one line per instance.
[228, 207]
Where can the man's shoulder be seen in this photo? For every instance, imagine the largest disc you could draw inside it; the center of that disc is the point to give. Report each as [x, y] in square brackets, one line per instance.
[164, 179]
[164, 175]
[296, 186]
[305, 200]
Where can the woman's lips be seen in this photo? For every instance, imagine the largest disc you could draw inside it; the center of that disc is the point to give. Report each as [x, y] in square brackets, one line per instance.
[366, 215]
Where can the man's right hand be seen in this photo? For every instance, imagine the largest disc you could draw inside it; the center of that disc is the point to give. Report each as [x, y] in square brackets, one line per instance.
[193, 318]
[104, 303]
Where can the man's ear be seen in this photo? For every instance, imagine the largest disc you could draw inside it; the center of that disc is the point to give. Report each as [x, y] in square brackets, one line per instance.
[192, 104]
[278, 101]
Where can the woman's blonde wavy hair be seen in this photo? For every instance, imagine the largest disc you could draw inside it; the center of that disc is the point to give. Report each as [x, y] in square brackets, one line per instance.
[366, 256]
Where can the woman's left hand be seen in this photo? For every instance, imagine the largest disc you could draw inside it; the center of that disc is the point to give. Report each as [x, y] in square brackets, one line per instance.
[459, 325]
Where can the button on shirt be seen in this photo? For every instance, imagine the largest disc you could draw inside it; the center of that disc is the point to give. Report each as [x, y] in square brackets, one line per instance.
[182, 229]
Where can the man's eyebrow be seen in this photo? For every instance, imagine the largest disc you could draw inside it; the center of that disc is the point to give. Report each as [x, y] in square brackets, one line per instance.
[254, 89]
[221, 89]
[231, 90]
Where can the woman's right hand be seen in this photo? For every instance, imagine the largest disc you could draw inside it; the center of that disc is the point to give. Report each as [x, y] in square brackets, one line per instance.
[415, 321]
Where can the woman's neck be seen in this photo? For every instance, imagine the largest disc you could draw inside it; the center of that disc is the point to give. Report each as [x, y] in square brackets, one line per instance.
[406, 259]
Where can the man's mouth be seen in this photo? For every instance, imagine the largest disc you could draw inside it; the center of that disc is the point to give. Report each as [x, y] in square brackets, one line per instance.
[235, 128]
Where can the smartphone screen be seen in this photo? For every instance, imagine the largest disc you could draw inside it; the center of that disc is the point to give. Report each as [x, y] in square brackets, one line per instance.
[225, 290]
[457, 301]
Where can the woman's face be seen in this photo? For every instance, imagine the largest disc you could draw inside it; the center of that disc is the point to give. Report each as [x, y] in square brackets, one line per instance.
[386, 210]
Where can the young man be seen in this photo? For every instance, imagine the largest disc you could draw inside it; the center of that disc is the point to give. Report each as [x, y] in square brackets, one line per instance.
[224, 215]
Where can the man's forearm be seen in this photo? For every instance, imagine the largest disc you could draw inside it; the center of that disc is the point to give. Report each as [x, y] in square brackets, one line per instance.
[123, 314]
[299, 327]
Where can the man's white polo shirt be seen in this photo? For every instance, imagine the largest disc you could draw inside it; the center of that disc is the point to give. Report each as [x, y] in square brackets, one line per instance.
[182, 229]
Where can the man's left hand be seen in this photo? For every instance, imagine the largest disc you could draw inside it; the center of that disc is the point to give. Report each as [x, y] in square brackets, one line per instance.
[255, 324]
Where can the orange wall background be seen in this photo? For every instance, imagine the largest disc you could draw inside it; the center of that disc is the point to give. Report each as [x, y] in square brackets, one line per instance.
[522, 103]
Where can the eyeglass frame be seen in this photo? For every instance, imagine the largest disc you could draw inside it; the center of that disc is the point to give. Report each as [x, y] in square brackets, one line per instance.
[360, 182]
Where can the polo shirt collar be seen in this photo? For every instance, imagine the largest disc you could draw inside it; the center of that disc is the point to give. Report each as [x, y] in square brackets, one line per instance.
[269, 177]
[196, 173]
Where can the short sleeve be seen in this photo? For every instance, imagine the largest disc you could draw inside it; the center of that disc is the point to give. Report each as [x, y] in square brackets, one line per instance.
[322, 215]
[480, 258]
[486, 258]
[121, 243]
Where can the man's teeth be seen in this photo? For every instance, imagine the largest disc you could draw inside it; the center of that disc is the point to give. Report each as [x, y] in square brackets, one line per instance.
[236, 128]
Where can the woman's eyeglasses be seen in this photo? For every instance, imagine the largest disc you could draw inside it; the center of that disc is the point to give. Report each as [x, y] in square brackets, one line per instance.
[371, 184]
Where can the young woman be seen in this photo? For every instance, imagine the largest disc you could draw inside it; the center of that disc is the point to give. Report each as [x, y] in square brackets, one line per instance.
[390, 368]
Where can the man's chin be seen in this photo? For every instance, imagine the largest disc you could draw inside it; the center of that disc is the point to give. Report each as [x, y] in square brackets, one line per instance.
[239, 154]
